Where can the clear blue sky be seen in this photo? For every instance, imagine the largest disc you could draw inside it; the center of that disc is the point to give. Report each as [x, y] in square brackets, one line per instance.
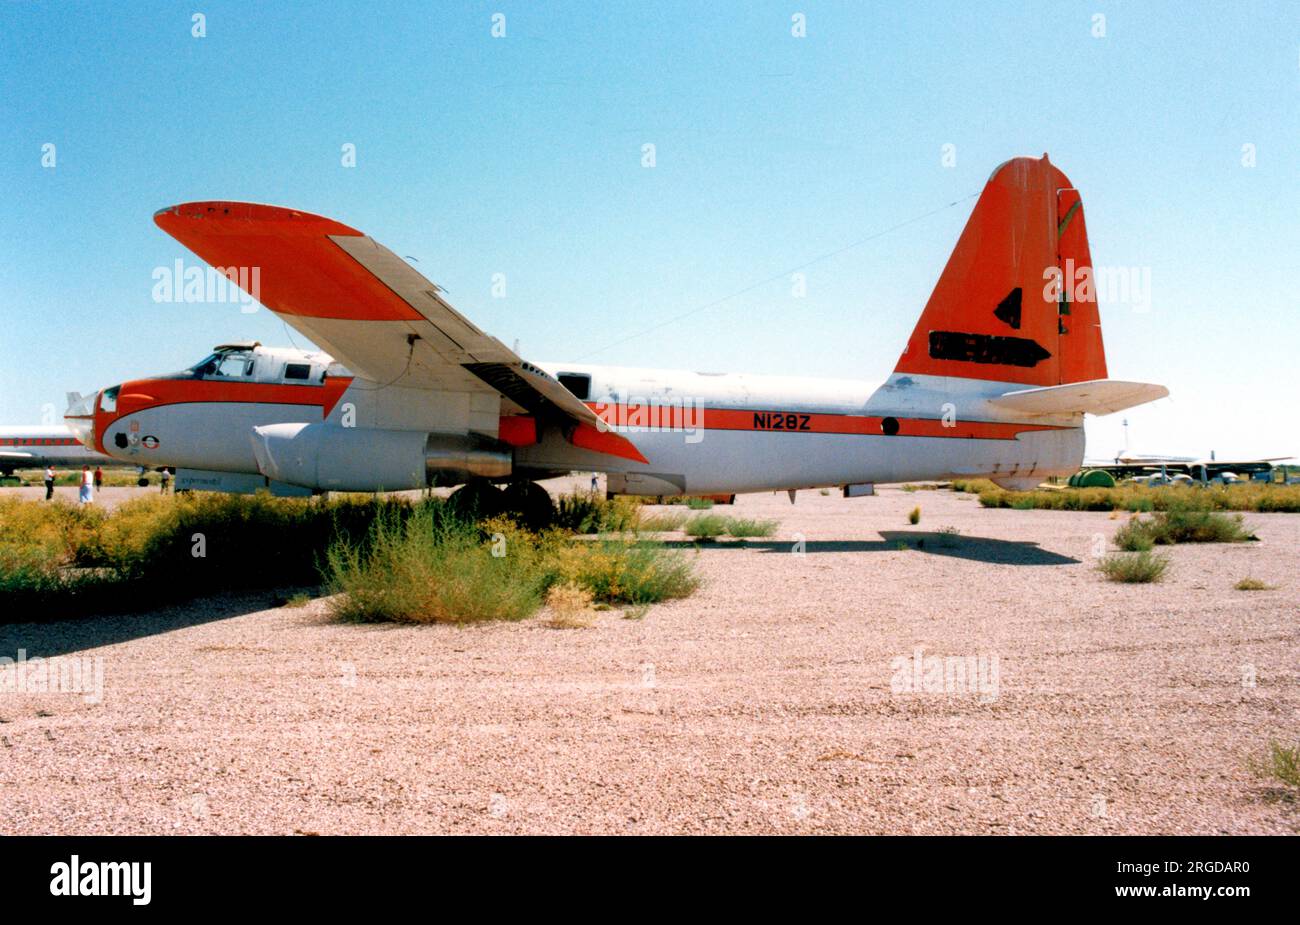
[522, 155]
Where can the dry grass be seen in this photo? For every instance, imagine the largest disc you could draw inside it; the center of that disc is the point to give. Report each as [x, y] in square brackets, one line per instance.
[589, 512]
[706, 526]
[1252, 584]
[1127, 496]
[61, 560]
[1181, 525]
[1134, 567]
[741, 527]
[427, 569]
[948, 538]
[1282, 764]
[624, 571]
[665, 522]
[570, 606]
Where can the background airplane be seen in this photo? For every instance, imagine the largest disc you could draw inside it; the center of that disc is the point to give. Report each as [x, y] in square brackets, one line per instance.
[1006, 359]
[1163, 469]
[35, 446]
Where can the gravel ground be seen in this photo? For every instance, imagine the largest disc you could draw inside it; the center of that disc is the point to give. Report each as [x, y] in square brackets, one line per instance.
[770, 701]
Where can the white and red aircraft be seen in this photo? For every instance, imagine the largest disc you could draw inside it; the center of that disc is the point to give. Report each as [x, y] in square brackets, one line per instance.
[1003, 364]
[35, 446]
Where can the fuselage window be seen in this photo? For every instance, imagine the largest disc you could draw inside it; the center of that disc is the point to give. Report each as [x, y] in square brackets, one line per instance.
[577, 383]
[299, 371]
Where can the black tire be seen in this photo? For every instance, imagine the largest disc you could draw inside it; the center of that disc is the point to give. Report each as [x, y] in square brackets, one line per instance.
[530, 504]
[477, 499]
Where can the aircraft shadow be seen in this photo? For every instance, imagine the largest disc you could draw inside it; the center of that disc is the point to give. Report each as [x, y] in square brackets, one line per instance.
[975, 548]
[75, 634]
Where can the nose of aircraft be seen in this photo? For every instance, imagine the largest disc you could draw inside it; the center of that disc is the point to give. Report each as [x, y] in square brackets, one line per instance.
[80, 417]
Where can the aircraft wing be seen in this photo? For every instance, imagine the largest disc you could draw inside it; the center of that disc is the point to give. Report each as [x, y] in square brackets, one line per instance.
[371, 310]
[14, 454]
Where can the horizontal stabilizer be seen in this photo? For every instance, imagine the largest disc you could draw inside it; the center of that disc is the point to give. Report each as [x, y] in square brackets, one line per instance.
[1100, 396]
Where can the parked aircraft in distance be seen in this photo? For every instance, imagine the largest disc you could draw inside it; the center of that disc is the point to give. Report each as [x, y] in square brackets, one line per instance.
[35, 446]
[1001, 367]
[1156, 469]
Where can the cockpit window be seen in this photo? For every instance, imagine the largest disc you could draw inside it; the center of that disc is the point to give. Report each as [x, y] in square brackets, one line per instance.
[108, 398]
[206, 366]
[300, 371]
[235, 365]
[226, 365]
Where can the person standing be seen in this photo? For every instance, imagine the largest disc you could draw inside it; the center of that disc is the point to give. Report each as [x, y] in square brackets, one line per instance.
[87, 494]
[166, 480]
[99, 478]
[49, 482]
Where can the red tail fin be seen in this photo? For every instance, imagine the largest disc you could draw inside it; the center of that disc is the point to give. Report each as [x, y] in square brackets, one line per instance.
[1017, 301]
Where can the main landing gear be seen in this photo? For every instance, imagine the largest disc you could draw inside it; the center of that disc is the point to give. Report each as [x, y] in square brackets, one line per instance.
[527, 502]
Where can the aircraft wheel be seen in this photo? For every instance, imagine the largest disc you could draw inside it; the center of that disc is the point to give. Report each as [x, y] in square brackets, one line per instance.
[530, 504]
[477, 499]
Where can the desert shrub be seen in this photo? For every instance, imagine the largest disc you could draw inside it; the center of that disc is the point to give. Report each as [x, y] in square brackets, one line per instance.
[586, 512]
[706, 526]
[1181, 525]
[1282, 763]
[570, 605]
[973, 486]
[662, 523]
[625, 571]
[388, 558]
[914, 516]
[1134, 537]
[694, 502]
[427, 569]
[57, 560]
[58, 529]
[1133, 567]
[1129, 496]
[1252, 584]
[741, 527]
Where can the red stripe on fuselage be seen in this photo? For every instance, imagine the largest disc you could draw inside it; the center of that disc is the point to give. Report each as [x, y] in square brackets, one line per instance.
[672, 417]
[143, 394]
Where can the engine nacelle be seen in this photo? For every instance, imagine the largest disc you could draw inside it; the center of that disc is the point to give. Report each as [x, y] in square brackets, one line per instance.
[332, 458]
